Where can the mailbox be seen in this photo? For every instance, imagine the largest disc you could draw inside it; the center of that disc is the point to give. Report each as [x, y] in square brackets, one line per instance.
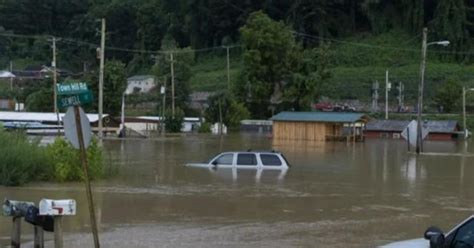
[16, 208]
[46, 222]
[57, 207]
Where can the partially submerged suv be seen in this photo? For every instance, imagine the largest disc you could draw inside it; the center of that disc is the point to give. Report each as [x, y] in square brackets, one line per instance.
[461, 236]
[270, 160]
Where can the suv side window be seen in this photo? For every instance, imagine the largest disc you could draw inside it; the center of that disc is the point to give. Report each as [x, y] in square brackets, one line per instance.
[246, 159]
[270, 160]
[464, 236]
[225, 159]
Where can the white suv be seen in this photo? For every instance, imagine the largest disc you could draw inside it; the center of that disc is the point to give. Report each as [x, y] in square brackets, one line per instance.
[271, 160]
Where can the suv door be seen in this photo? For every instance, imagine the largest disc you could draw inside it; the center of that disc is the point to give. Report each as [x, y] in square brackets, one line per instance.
[270, 160]
[247, 161]
[462, 236]
[225, 160]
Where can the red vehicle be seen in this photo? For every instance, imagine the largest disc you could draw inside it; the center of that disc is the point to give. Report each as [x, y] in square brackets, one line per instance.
[323, 106]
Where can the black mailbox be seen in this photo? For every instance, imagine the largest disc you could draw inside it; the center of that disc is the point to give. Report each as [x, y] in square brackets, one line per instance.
[46, 222]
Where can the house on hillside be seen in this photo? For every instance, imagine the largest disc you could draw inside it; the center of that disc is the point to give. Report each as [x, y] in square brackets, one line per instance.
[199, 100]
[318, 126]
[392, 129]
[140, 84]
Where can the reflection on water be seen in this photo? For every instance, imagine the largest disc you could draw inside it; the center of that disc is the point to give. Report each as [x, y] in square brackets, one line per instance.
[233, 174]
[368, 193]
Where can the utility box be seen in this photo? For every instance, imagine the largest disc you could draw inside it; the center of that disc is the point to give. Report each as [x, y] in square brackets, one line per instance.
[16, 208]
[57, 207]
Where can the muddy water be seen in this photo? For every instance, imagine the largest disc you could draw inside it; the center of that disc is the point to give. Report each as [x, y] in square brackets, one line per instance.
[334, 195]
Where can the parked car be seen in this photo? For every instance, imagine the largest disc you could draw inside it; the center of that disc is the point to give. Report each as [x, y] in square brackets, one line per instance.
[270, 160]
[461, 236]
[324, 106]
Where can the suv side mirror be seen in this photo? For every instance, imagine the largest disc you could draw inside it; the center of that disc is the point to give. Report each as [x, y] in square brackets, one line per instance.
[435, 236]
[214, 162]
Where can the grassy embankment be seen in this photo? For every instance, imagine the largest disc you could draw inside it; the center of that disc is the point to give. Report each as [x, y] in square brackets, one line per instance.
[23, 160]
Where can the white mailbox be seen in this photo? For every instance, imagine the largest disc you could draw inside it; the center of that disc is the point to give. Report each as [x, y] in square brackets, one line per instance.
[57, 207]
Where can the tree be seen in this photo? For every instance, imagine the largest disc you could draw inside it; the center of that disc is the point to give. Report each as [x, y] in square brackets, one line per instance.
[310, 72]
[173, 124]
[450, 23]
[183, 59]
[115, 83]
[269, 57]
[448, 95]
[40, 101]
[232, 111]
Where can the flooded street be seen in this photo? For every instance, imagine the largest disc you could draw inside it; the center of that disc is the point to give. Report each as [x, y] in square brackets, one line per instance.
[334, 195]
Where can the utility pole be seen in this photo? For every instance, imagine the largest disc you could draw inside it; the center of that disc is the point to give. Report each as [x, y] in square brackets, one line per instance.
[54, 76]
[401, 97]
[419, 139]
[11, 78]
[55, 83]
[172, 83]
[228, 68]
[375, 96]
[387, 88]
[220, 115]
[163, 96]
[464, 111]
[101, 78]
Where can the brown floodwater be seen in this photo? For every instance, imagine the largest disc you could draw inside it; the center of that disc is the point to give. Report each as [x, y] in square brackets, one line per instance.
[334, 195]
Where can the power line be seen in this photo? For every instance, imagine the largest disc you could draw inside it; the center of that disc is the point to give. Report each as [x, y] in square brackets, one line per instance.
[367, 45]
[92, 45]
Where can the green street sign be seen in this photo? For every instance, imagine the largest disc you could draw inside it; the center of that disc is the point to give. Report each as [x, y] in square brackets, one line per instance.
[71, 88]
[73, 100]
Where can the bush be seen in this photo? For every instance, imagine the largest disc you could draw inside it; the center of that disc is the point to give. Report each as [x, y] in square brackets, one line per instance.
[174, 124]
[21, 160]
[205, 128]
[66, 163]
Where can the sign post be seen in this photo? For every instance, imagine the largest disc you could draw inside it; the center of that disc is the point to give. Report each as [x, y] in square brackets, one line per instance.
[73, 95]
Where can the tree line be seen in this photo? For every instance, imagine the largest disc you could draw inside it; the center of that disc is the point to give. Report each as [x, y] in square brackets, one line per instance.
[285, 44]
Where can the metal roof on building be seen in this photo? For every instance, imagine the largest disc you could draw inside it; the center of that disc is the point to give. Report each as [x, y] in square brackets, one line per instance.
[319, 117]
[39, 117]
[387, 125]
[448, 126]
[442, 126]
[140, 77]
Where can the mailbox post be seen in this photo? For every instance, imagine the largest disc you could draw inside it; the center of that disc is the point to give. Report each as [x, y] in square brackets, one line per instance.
[16, 210]
[57, 209]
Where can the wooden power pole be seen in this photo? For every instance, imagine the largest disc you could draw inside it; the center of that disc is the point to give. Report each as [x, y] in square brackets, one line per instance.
[101, 78]
[228, 68]
[419, 139]
[172, 84]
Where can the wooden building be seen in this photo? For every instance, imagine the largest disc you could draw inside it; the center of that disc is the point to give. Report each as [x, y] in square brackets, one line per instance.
[318, 126]
[392, 129]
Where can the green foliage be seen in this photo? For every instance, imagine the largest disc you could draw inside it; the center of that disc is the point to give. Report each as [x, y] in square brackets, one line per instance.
[205, 128]
[448, 95]
[115, 83]
[66, 164]
[174, 123]
[40, 101]
[21, 160]
[183, 60]
[303, 88]
[451, 23]
[270, 53]
[232, 111]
